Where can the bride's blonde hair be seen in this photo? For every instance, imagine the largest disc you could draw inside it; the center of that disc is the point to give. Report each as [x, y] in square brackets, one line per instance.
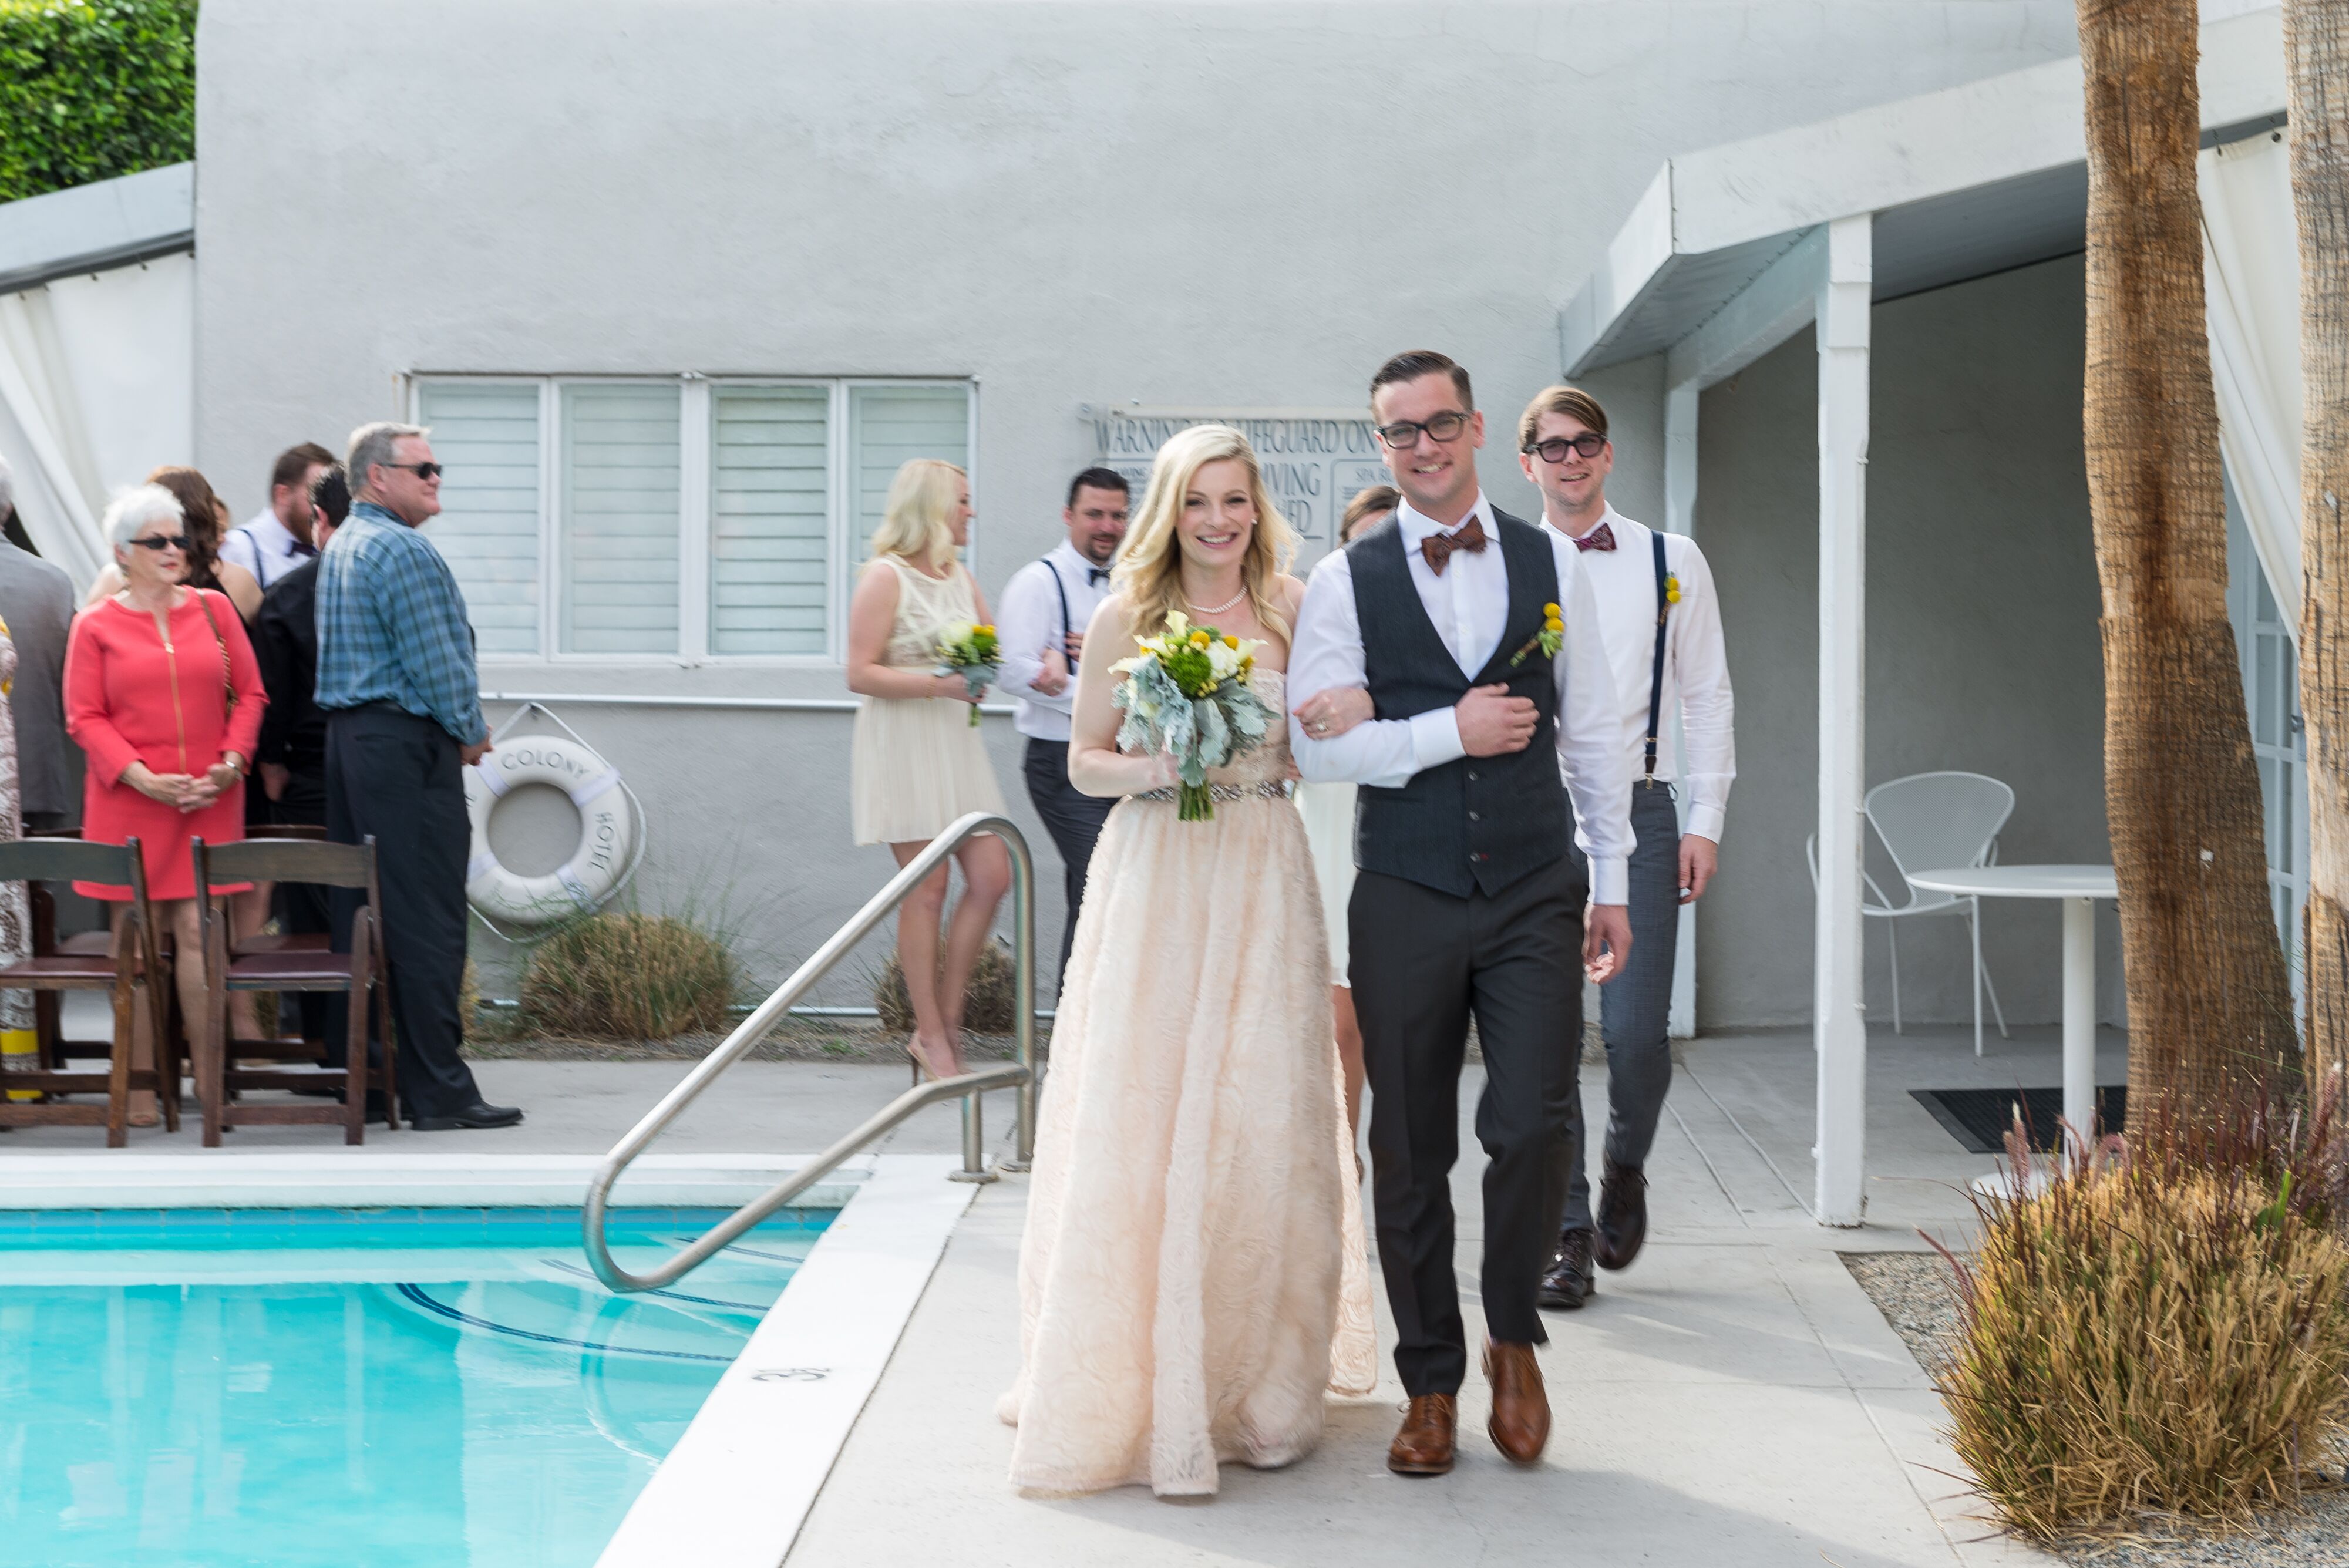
[1149, 571]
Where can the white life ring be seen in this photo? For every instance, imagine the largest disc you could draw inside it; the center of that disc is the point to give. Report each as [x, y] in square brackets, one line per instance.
[606, 830]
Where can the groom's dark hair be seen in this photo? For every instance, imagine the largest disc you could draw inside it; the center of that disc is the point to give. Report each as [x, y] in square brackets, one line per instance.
[1414, 363]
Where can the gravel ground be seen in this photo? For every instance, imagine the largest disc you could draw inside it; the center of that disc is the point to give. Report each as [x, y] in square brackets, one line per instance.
[1913, 1292]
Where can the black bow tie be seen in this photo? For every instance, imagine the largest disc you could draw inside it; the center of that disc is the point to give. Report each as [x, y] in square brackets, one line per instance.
[1093, 576]
[301, 549]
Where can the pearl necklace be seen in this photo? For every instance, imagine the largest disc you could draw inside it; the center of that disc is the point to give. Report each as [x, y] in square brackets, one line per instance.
[1217, 609]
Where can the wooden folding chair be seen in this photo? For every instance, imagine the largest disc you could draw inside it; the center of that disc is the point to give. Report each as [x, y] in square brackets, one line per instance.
[85, 963]
[285, 1047]
[292, 963]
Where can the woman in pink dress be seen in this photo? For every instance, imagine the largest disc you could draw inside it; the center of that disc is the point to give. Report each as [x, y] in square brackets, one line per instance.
[164, 696]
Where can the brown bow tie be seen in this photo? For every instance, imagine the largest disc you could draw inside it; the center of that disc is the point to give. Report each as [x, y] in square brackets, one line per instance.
[1438, 548]
[1599, 538]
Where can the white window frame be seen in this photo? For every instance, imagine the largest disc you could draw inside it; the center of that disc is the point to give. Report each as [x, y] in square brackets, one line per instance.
[697, 434]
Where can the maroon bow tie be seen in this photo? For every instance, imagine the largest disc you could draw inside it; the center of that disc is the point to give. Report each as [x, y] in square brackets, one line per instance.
[1599, 538]
[1438, 548]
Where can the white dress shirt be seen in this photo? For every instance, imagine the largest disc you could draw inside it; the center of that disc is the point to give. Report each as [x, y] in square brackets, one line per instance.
[1696, 665]
[1027, 623]
[1469, 607]
[264, 546]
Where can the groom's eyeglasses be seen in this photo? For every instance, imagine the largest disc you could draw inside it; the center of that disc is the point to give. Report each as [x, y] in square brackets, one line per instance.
[1404, 433]
[1589, 443]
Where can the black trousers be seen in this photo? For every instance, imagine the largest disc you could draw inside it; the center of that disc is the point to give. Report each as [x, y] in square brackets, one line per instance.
[1075, 820]
[1424, 962]
[394, 776]
[303, 908]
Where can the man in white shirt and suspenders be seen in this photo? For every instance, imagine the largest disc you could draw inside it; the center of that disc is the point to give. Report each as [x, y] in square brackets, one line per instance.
[276, 539]
[1662, 626]
[1039, 625]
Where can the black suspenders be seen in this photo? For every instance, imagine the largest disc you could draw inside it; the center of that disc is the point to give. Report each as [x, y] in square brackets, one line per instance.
[1656, 675]
[1062, 589]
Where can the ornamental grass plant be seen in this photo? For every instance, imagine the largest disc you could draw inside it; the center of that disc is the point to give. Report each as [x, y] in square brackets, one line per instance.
[2163, 1330]
[629, 976]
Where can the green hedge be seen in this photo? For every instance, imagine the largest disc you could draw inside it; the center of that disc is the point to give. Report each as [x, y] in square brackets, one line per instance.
[93, 88]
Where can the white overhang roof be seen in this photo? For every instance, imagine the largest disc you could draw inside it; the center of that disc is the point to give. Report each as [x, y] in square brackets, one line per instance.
[90, 228]
[1963, 182]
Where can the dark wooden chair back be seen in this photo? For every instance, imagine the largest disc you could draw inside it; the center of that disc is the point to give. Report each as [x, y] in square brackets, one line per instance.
[314, 831]
[287, 860]
[74, 860]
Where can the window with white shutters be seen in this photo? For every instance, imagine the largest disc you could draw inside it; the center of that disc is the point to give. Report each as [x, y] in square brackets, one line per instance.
[672, 518]
[618, 537]
[485, 434]
[769, 519]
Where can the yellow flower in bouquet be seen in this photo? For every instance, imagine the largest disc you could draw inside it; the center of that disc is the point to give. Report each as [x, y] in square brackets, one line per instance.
[1549, 638]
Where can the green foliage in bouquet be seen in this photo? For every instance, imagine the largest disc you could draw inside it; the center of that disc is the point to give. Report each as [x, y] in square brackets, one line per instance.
[1186, 695]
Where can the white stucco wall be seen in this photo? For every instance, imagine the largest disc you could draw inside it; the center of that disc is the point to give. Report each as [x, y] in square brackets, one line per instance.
[1233, 205]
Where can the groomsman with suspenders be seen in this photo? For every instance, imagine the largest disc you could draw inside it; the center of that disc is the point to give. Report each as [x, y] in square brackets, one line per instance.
[1662, 624]
[1039, 624]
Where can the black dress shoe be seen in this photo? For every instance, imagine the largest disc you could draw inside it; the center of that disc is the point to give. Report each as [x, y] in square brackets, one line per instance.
[1622, 1215]
[479, 1113]
[1567, 1283]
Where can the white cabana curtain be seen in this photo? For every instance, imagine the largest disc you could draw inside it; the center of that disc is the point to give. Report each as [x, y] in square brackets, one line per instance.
[2250, 268]
[96, 387]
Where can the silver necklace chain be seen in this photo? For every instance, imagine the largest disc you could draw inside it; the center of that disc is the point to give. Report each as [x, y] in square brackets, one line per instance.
[1217, 609]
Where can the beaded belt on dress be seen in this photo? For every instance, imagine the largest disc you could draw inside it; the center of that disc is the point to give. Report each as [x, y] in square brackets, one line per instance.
[1264, 789]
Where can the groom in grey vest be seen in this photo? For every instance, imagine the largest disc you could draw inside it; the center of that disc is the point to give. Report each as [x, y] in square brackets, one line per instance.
[1486, 714]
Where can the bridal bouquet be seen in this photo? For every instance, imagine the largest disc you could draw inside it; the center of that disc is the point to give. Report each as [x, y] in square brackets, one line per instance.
[1186, 694]
[969, 651]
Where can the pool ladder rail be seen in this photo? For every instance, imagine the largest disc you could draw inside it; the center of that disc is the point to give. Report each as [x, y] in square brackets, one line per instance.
[1019, 1075]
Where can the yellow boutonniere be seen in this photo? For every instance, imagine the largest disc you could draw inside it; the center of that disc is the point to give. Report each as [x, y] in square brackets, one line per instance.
[1549, 638]
[1671, 591]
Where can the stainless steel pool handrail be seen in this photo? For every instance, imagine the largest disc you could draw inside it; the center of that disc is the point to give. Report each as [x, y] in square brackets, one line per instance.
[1019, 1075]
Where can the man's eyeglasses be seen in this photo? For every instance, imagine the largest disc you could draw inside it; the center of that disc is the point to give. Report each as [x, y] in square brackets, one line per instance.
[1406, 432]
[1589, 443]
[422, 470]
[158, 543]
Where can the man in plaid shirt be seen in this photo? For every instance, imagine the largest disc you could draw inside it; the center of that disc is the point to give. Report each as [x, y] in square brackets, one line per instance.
[402, 701]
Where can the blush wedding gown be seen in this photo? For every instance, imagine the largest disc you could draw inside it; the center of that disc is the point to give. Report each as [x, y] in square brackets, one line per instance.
[1193, 1280]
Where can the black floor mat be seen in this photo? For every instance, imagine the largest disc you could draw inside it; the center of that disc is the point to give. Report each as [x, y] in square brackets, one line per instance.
[1979, 1118]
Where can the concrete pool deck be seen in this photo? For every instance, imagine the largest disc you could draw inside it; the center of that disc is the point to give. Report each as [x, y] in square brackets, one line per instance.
[1734, 1398]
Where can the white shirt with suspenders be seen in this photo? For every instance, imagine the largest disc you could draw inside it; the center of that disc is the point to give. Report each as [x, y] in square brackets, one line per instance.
[1043, 601]
[1679, 663]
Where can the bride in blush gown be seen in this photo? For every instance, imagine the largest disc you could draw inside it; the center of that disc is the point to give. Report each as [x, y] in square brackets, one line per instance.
[1193, 1280]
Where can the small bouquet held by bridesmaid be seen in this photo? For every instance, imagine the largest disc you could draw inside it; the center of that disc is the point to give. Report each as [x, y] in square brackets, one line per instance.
[969, 651]
[1186, 695]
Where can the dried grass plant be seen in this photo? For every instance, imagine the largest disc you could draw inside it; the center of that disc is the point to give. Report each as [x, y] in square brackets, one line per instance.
[2163, 1329]
[629, 976]
[986, 1011]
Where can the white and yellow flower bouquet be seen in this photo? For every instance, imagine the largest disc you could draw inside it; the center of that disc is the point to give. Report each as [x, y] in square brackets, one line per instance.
[970, 650]
[1185, 695]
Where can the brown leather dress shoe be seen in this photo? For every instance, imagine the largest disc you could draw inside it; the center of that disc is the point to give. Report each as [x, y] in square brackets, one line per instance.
[1423, 1446]
[1622, 1215]
[1520, 1423]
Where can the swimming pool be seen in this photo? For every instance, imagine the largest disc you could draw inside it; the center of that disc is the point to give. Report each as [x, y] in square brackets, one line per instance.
[361, 1388]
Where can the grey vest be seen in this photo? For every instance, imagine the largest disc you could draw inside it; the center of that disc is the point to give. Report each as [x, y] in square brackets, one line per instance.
[1475, 821]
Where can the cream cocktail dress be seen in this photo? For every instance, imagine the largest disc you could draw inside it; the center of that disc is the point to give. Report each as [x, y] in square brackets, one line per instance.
[916, 763]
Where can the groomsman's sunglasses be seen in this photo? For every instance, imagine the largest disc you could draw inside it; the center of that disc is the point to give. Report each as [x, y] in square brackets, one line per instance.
[1404, 434]
[158, 543]
[1589, 443]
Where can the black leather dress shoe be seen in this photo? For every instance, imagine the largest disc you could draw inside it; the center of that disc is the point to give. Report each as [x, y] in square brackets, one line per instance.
[1567, 1282]
[1622, 1215]
[479, 1113]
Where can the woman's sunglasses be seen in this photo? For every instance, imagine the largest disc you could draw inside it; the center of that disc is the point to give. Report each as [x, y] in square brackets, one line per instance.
[158, 543]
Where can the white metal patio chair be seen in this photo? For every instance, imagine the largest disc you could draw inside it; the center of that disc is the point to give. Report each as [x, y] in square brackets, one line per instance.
[1925, 822]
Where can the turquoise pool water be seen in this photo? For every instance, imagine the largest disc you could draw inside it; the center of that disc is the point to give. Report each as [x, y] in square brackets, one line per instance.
[369, 1389]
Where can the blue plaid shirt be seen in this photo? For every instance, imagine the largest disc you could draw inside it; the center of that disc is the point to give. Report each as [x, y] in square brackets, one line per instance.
[392, 626]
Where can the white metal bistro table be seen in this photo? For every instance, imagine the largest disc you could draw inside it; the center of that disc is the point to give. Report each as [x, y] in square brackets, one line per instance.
[2079, 887]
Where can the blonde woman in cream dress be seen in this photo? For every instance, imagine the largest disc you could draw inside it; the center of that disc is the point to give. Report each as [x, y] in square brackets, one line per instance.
[1192, 1282]
[916, 762]
[1329, 813]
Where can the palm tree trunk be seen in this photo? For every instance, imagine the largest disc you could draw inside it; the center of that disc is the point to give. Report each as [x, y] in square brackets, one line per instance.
[2316, 63]
[2209, 1009]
